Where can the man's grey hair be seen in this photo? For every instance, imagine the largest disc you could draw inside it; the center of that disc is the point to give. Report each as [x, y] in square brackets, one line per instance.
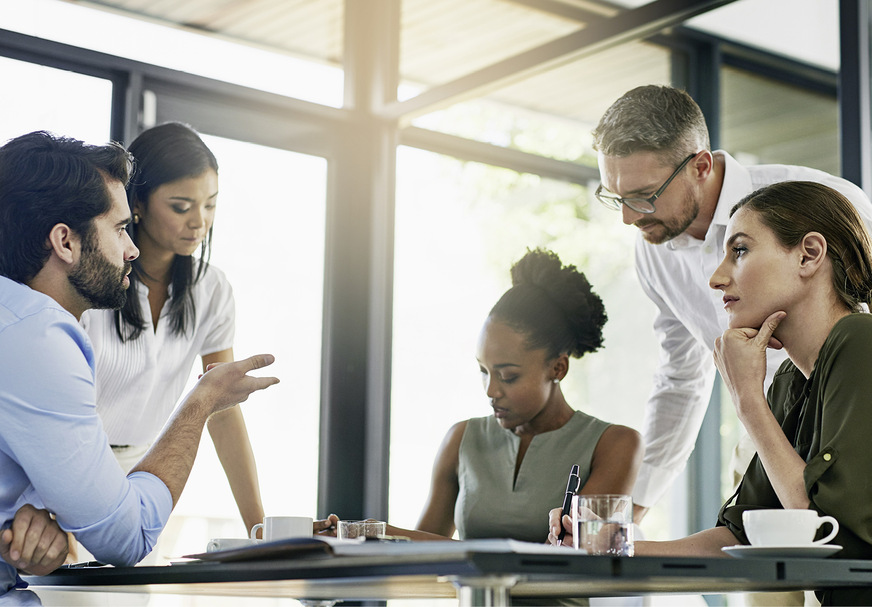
[652, 118]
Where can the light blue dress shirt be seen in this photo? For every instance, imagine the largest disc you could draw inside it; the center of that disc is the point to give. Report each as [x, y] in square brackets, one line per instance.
[53, 451]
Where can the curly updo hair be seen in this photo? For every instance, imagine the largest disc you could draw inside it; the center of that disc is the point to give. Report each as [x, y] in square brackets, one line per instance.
[552, 305]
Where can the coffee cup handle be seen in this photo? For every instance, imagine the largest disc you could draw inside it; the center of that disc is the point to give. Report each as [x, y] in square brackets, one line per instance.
[831, 521]
[260, 526]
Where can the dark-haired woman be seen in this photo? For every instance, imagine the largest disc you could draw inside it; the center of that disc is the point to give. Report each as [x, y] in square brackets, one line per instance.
[179, 307]
[498, 476]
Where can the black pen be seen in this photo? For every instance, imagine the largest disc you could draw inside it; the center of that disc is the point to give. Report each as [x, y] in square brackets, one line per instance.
[571, 488]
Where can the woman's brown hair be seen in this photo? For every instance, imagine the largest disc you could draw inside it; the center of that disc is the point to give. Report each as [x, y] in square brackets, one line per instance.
[792, 209]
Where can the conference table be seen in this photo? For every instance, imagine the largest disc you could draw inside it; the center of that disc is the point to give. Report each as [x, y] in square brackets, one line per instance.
[477, 572]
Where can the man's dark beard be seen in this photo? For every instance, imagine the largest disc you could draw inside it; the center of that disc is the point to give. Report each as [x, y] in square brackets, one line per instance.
[97, 279]
[676, 226]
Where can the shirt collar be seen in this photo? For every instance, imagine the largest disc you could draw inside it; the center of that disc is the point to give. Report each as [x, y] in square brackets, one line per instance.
[736, 184]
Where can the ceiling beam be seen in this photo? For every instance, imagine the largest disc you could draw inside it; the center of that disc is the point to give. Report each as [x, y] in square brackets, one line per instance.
[597, 36]
[486, 153]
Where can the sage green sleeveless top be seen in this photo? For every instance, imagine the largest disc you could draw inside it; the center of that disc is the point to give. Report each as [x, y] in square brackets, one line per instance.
[491, 503]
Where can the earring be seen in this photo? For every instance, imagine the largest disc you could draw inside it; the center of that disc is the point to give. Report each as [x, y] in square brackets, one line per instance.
[555, 380]
[136, 218]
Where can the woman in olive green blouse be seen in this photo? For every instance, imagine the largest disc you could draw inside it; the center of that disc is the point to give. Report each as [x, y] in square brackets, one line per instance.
[796, 271]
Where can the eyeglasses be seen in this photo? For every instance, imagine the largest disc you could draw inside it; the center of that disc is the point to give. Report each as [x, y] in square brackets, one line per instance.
[640, 205]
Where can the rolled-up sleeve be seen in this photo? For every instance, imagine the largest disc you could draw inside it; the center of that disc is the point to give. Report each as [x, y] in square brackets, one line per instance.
[130, 532]
[837, 475]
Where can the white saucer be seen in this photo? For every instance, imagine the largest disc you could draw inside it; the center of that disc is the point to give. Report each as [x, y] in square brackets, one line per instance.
[749, 552]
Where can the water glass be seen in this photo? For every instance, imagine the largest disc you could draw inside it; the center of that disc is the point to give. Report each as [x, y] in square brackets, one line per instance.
[603, 524]
[360, 529]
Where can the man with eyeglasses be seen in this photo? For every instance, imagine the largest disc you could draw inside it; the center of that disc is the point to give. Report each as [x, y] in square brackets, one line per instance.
[658, 171]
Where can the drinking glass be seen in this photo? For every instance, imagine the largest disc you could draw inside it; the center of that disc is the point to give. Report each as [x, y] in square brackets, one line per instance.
[356, 529]
[603, 524]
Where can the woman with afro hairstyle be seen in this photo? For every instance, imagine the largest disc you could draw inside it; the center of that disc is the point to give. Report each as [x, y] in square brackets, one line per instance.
[498, 476]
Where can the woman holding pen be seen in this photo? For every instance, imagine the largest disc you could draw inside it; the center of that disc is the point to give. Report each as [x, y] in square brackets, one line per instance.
[498, 476]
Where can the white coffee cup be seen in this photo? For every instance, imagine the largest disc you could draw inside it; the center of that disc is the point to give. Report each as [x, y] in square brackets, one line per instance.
[283, 527]
[793, 527]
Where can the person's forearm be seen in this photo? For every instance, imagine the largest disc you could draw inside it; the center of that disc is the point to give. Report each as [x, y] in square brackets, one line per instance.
[233, 447]
[415, 534]
[783, 465]
[639, 513]
[437, 517]
[172, 455]
[705, 543]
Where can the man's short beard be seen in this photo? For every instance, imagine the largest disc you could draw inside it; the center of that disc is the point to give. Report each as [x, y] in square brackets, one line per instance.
[98, 280]
[677, 226]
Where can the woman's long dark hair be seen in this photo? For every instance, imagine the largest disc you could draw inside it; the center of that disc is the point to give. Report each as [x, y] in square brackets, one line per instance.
[164, 154]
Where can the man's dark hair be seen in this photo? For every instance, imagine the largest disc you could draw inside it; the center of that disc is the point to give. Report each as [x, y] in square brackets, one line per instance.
[46, 180]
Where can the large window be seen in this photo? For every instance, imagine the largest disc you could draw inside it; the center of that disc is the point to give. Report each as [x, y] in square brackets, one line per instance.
[765, 121]
[30, 102]
[269, 240]
[459, 228]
